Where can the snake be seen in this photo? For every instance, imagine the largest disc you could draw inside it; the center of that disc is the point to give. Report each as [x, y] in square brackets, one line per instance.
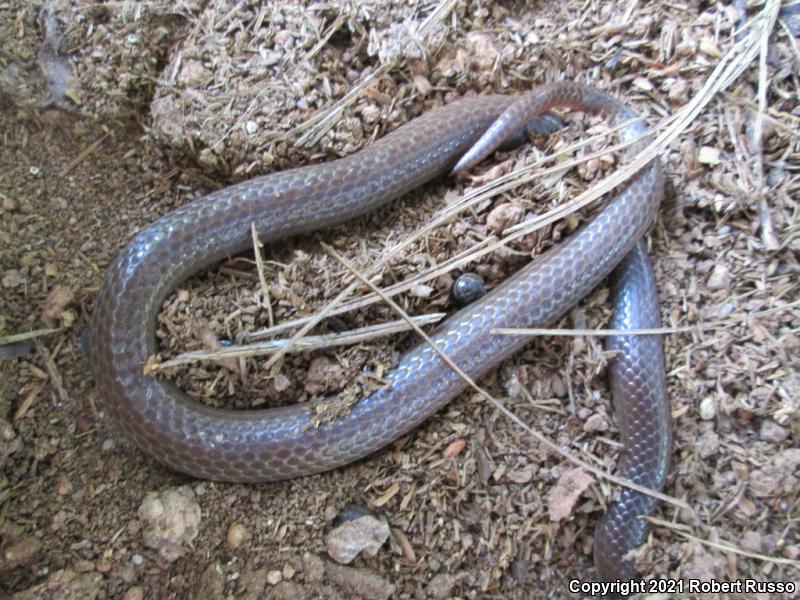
[281, 443]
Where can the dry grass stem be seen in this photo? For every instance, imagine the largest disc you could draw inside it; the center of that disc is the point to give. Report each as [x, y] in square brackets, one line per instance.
[266, 302]
[28, 335]
[724, 546]
[720, 323]
[312, 342]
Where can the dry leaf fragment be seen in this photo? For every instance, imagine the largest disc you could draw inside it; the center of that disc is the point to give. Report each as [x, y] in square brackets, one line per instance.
[566, 492]
[390, 493]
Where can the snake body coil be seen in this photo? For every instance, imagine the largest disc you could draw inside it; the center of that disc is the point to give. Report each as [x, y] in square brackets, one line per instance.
[276, 444]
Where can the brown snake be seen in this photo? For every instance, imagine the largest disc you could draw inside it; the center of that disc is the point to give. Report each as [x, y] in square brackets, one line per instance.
[273, 444]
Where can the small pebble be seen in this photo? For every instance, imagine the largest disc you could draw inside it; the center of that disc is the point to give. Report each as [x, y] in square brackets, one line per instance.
[365, 534]
[237, 535]
[274, 577]
[171, 521]
[84, 566]
[134, 593]
[313, 567]
[137, 559]
[720, 278]
[708, 409]
[523, 475]
[359, 583]
[504, 216]
[751, 540]
[595, 423]
[772, 432]
[454, 448]
[12, 278]
[421, 290]
[281, 382]
[708, 155]
[679, 91]
[441, 586]
[21, 552]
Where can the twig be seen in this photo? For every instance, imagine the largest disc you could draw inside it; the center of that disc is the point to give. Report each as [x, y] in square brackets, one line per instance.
[725, 546]
[88, 151]
[27, 402]
[52, 370]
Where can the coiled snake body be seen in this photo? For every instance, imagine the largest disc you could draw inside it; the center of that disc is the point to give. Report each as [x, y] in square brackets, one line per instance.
[275, 444]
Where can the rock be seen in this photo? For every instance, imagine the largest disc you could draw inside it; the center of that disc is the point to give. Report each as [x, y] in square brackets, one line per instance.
[365, 534]
[360, 582]
[171, 520]
[708, 408]
[504, 216]
[211, 583]
[287, 590]
[313, 567]
[679, 91]
[454, 448]
[65, 585]
[252, 584]
[708, 155]
[707, 444]
[9, 442]
[237, 535]
[772, 432]
[751, 540]
[20, 553]
[720, 278]
[12, 278]
[134, 593]
[323, 375]
[700, 564]
[522, 475]
[596, 423]
[441, 586]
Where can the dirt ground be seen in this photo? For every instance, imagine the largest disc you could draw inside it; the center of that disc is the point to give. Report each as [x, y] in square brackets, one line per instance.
[114, 114]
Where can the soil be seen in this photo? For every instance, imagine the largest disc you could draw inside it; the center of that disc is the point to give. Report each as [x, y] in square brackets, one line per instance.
[113, 115]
